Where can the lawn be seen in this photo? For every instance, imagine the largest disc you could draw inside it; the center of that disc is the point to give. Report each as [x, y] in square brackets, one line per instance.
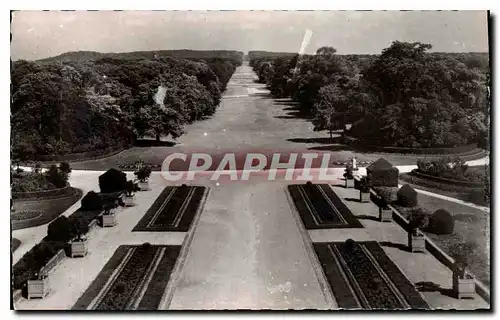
[471, 225]
[32, 213]
[468, 194]
[139, 284]
[362, 276]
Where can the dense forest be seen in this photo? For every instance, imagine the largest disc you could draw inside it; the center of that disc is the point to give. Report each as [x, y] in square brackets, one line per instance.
[88, 101]
[404, 97]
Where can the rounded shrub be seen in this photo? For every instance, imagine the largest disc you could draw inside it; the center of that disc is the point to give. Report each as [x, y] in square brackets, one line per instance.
[441, 222]
[407, 196]
[92, 201]
[59, 230]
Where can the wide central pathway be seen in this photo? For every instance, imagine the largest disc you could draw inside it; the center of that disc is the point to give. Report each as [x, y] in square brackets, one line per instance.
[248, 253]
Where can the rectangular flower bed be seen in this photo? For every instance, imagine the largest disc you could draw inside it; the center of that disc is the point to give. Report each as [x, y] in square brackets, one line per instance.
[134, 278]
[362, 276]
[320, 207]
[173, 210]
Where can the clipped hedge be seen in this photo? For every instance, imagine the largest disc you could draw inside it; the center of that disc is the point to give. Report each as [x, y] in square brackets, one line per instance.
[441, 222]
[407, 196]
[112, 180]
[405, 150]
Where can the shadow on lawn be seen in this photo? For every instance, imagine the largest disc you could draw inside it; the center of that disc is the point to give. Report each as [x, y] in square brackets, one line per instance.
[153, 143]
[322, 140]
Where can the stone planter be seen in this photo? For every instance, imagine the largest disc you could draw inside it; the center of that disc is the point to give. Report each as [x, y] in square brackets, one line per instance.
[364, 196]
[79, 248]
[108, 220]
[416, 243]
[385, 214]
[464, 288]
[129, 201]
[38, 288]
[144, 185]
[349, 183]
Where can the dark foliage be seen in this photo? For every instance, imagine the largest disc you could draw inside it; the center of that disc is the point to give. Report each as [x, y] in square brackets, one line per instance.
[441, 222]
[59, 230]
[112, 180]
[92, 201]
[407, 196]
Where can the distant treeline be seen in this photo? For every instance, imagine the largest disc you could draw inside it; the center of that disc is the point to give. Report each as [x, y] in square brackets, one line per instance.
[87, 101]
[403, 97]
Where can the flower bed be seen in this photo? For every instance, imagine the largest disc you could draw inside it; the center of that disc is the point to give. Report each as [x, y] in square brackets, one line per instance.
[360, 281]
[317, 212]
[173, 210]
[127, 281]
[44, 194]
[142, 272]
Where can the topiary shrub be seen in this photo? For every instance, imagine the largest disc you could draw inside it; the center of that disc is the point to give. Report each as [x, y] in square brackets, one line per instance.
[419, 220]
[78, 227]
[441, 222]
[407, 196]
[55, 176]
[59, 230]
[112, 180]
[65, 167]
[92, 201]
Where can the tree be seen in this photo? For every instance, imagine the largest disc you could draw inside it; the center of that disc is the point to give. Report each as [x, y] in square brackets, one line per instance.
[55, 176]
[326, 51]
[326, 117]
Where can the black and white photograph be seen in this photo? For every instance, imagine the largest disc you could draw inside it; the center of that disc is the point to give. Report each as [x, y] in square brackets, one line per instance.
[250, 160]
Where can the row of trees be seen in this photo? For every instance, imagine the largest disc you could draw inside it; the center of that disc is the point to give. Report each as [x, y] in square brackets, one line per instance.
[405, 97]
[86, 105]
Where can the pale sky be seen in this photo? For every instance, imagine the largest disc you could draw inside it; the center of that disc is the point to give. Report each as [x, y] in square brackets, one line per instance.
[41, 34]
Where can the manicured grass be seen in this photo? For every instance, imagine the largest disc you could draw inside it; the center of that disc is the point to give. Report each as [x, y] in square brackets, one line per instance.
[15, 243]
[471, 225]
[317, 212]
[357, 281]
[127, 284]
[468, 194]
[175, 213]
[50, 209]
